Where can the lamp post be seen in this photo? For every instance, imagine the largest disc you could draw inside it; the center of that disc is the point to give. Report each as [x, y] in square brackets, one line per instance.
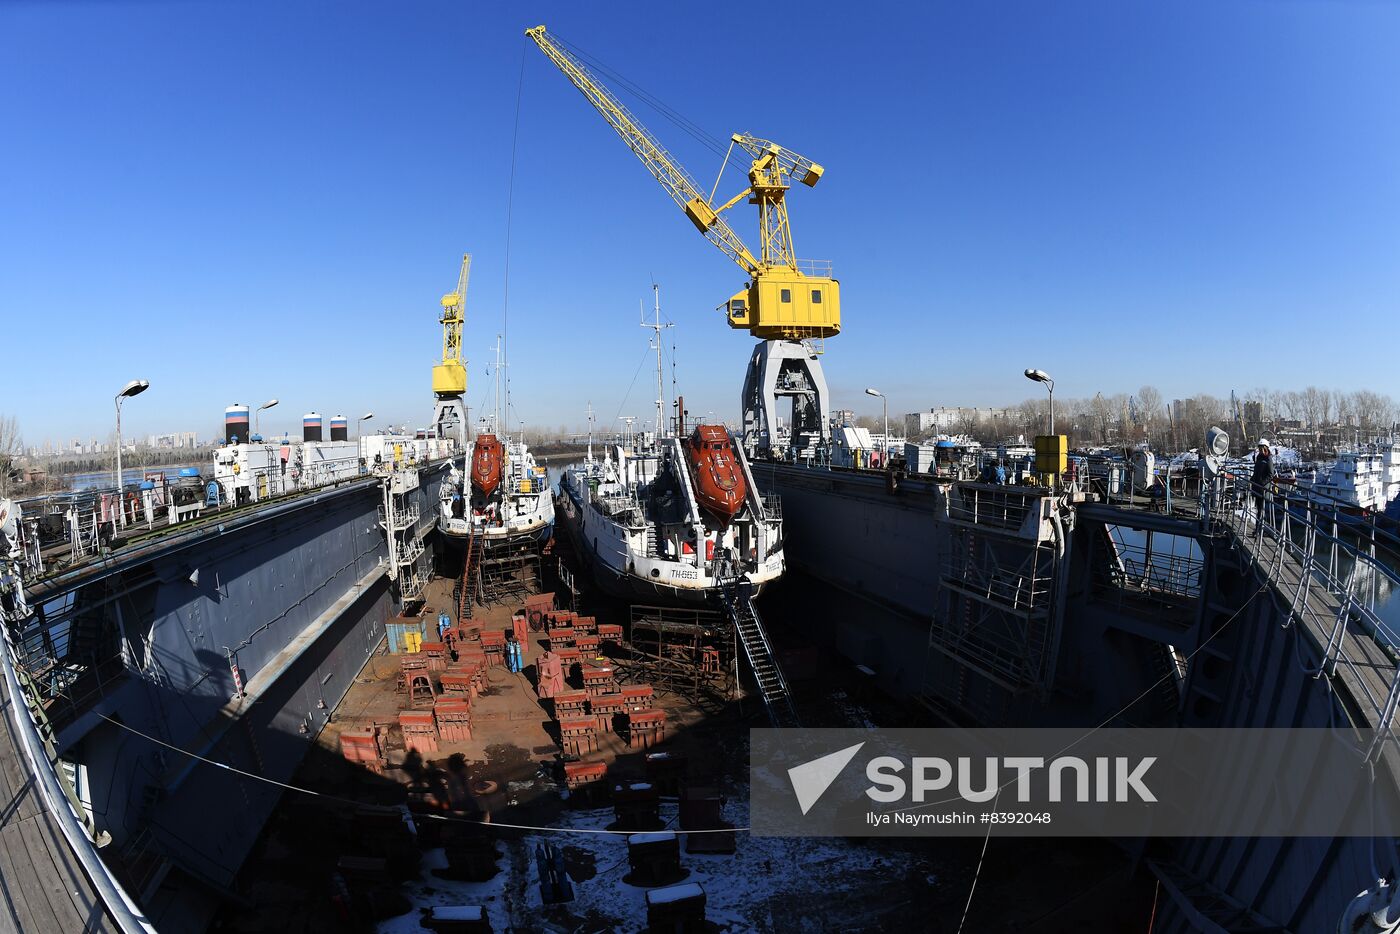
[363, 418]
[885, 404]
[1040, 376]
[266, 405]
[133, 388]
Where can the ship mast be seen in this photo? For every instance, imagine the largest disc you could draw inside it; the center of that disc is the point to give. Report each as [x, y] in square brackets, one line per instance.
[657, 327]
[496, 392]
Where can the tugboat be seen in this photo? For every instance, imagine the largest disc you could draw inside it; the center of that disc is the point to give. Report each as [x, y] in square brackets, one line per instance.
[499, 495]
[672, 519]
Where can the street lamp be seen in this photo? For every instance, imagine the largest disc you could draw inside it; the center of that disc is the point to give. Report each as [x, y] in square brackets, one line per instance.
[133, 388]
[885, 403]
[363, 418]
[266, 405]
[1040, 376]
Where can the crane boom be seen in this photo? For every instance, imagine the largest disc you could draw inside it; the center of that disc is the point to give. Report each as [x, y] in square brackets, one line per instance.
[672, 176]
[784, 301]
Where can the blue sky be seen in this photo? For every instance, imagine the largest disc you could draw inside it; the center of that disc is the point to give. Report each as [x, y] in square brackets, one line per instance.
[241, 201]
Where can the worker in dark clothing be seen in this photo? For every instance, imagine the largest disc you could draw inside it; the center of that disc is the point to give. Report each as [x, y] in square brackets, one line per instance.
[1262, 479]
[989, 472]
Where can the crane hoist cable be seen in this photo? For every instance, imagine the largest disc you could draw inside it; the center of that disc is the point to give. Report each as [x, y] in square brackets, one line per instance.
[681, 121]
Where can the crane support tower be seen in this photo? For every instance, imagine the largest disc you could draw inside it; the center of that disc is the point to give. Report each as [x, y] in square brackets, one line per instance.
[788, 303]
[450, 376]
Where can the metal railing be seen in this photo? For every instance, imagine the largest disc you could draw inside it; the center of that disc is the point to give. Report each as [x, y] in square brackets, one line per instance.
[1162, 565]
[814, 267]
[92, 519]
[37, 743]
[1335, 569]
[412, 550]
[1021, 588]
[402, 517]
[994, 505]
[772, 507]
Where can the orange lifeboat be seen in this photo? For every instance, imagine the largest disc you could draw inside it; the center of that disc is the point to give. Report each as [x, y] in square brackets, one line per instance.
[719, 481]
[487, 456]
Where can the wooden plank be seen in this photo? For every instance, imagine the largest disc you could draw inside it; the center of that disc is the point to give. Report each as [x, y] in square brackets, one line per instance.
[14, 913]
[43, 887]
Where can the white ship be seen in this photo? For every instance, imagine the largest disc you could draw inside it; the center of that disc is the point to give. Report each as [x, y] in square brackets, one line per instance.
[500, 494]
[1364, 480]
[673, 520]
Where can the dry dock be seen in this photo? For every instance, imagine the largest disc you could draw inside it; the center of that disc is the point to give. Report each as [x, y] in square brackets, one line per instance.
[484, 806]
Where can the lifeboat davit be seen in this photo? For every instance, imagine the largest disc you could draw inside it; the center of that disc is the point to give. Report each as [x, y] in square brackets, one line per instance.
[487, 455]
[719, 481]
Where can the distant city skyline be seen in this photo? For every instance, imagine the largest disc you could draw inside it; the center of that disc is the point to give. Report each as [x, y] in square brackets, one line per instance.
[1205, 201]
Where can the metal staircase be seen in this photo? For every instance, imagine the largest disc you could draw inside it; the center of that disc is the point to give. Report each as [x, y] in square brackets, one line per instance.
[748, 625]
[470, 585]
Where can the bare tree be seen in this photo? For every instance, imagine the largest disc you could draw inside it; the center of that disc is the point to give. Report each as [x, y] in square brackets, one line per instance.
[1342, 405]
[9, 451]
[1149, 402]
[1315, 407]
[1101, 411]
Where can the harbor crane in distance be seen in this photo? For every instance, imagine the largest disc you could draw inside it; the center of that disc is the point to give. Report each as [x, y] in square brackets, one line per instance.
[791, 305]
[450, 376]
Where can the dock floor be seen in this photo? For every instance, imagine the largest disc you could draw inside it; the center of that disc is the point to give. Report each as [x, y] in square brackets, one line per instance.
[767, 884]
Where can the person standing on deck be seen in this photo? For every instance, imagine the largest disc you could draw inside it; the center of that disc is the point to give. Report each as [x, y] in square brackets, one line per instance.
[1262, 479]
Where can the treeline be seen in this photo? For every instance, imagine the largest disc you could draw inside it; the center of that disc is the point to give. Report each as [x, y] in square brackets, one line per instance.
[1145, 416]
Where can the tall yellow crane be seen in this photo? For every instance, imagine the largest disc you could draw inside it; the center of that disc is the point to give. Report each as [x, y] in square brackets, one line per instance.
[787, 299]
[450, 376]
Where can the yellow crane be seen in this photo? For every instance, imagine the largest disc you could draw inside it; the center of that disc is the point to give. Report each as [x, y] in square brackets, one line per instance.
[787, 299]
[450, 376]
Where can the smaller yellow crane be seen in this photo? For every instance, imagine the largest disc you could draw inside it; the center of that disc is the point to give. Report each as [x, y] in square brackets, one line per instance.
[450, 376]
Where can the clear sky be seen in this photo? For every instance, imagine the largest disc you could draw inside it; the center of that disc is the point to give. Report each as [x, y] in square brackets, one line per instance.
[242, 201]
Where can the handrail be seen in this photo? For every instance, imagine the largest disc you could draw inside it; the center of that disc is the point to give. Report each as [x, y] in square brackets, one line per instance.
[1340, 519]
[61, 800]
[1292, 527]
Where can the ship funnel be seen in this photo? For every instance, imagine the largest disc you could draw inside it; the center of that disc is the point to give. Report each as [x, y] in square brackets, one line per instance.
[340, 428]
[235, 423]
[311, 426]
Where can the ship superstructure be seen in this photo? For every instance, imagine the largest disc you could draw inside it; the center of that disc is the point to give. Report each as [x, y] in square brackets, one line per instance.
[503, 496]
[499, 495]
[1364, 479]
[672, 519]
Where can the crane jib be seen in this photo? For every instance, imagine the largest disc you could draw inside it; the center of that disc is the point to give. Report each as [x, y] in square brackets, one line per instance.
[786, 299]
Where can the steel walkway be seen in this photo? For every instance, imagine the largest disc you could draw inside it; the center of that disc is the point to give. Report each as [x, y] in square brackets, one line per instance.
[1324, 578]
[42, 884]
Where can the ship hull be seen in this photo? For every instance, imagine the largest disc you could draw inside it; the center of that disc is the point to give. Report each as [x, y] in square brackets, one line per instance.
[617, 582]
[456, 533]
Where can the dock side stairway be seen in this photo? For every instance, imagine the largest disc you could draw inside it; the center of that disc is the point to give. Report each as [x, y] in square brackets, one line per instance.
[737, 597]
